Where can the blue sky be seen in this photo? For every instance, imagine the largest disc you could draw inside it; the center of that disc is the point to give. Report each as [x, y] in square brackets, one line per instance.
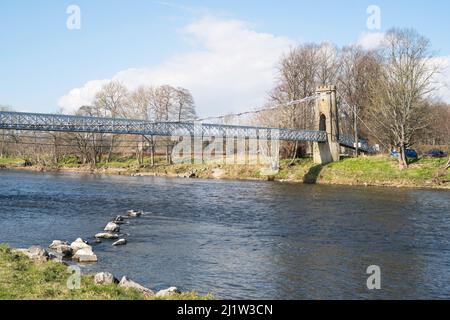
[45, 66]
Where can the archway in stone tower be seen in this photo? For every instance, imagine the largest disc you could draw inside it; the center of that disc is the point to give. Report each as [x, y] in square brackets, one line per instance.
[323, 122]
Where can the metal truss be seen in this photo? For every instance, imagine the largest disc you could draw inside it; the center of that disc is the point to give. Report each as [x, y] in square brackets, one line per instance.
[66, 123]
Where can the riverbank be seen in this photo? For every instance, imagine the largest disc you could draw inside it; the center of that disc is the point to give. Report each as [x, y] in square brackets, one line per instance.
[25, 279]
[365, 171]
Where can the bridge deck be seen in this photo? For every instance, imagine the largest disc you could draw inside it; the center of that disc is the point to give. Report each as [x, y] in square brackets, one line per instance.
[68, 123]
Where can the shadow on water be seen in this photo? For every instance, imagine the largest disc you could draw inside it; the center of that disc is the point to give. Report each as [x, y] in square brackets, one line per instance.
[313, 174]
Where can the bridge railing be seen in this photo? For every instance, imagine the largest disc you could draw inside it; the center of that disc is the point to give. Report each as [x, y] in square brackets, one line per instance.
[68, 123]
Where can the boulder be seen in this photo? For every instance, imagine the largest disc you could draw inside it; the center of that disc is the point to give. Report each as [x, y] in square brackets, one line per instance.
[120, 242]
[35, 253]
[38, 251]
[105, 278]
[56, 243]
[79, 244]
[112, 227]
[126, 283]
[134, 213]
[119, 220]
[61, 247]
[85, 255]
[65, 250]
[107, 235]
[55, 257]
[167, 292]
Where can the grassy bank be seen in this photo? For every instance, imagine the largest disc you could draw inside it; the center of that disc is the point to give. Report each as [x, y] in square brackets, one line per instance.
[24, 279]
[373, 171]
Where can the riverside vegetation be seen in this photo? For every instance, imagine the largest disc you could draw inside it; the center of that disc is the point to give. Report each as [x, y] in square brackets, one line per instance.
[369, 171]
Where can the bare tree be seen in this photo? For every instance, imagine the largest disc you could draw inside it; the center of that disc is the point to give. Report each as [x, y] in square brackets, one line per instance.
[358, 67]
[89, 145]
[328, 64]
[300, 72]
[161, 101]
[171, 104]
[184, 104]
[400, 94]
[438, 132]
[140, 104]
[113, 101]
[140, 108]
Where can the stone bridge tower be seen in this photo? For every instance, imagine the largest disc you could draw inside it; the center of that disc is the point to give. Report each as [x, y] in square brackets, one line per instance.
[326, 119]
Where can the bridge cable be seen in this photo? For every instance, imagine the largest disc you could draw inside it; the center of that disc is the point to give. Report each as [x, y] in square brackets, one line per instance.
[353, 110]
[287, 104]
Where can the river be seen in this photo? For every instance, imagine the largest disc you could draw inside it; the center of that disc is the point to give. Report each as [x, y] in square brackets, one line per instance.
[242, 239]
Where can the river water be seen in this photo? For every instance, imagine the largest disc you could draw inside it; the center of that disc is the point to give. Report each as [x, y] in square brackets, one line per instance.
[254, 240]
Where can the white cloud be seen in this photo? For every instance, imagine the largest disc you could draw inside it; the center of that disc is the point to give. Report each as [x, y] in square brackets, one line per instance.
[443, 78]
[80, 96]
[371, 40]
[230, 68]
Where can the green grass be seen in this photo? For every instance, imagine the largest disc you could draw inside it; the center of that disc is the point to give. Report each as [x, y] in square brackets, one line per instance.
[23, 279]
[69, 162]
[374, 170]
[11, 161]
[382, 170]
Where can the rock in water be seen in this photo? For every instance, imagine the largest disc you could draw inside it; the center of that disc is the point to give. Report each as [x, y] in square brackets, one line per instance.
[56, 243]
[120, 242]
[107, 235]
[105, 278]
[129, 284]
[134, 213]
[85, 255]
[112, 227]
[79, 244]
[167, 292]
[61, 247]
[119, 220]
[65, 250]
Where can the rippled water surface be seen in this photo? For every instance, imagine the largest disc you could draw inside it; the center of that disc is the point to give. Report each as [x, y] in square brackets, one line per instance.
[242, 239]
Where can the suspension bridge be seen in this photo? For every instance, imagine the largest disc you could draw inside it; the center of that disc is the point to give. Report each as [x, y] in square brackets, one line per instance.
[327, 137]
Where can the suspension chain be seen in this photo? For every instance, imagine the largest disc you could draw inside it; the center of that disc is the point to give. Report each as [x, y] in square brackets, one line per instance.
[283, 105]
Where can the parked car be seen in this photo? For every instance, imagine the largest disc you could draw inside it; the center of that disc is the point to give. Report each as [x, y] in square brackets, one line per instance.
[410, 153]
[435, 153]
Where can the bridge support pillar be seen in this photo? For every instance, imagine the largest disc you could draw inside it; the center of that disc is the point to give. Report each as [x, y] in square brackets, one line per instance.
[326, 119]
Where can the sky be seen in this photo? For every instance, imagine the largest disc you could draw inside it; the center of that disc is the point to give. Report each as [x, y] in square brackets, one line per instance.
[226, 52]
